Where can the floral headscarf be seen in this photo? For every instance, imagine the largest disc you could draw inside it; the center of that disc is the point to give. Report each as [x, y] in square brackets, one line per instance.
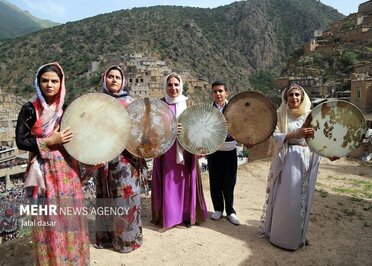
[47, 115]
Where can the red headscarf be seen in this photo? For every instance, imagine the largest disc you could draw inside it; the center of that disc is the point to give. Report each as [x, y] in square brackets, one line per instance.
[47, 115]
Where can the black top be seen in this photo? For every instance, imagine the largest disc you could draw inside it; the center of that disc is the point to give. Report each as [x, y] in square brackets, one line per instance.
[26, 119]
[228, 137]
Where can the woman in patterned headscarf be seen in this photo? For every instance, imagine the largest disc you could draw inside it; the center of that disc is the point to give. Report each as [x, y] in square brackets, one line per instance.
[292, 176]
[52, 175]
[119, 184]
[176, 191]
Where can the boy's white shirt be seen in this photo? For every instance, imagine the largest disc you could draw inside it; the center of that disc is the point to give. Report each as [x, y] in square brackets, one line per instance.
[228, 145]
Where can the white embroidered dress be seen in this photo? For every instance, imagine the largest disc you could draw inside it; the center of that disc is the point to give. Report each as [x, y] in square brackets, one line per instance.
[290, 189]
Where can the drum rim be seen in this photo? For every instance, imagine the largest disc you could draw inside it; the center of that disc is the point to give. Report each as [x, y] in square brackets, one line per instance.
[174, 137]
[93, 95]
[216, 112]
[275, 118]
[316, 108]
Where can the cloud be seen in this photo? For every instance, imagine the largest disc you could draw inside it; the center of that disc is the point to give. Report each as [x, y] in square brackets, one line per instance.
[47, 7]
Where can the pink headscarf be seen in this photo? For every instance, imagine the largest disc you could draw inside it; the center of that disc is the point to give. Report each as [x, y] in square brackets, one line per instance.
[47, 115]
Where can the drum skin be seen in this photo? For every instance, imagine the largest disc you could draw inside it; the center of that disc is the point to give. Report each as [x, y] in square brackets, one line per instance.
[251, 117]
[339, 128]
[100, 126]
[153, 128]
[204, 129]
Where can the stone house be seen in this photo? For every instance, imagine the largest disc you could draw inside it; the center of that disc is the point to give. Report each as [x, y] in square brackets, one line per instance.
[361, 94]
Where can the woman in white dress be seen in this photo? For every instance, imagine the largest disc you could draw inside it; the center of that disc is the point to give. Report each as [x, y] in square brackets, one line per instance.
[292, 176]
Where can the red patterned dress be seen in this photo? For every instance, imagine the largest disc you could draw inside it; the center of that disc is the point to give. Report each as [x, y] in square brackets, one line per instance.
[54, 179]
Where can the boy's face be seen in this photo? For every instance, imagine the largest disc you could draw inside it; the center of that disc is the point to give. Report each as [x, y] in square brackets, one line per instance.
[219, 94]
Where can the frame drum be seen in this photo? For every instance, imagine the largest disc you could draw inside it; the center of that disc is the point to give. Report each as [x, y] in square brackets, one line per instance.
[339, 128]
[251, 117]
[100, 126]
[204, 129]
[153, 128]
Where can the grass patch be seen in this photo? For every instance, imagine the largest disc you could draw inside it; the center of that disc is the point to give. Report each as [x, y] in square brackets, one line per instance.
[368, 207]
[351, 191]
[337, 177]
[323, 193]
[369, 48]
[356, 199]
[349, 212]
[359, 182]
[354, 192]
[24, 230]
[368, 186]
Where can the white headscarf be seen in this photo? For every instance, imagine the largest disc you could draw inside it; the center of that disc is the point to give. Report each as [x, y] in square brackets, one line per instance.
[283, 110]
[180, 100]
[181, 105]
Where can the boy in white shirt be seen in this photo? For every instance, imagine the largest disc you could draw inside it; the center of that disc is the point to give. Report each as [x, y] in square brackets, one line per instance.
[223, 165]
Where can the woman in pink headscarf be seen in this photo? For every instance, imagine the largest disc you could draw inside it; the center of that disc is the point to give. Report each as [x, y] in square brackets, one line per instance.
[52, 175]
[176, 190]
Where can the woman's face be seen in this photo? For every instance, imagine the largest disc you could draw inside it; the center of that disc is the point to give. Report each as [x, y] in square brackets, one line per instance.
[50, 85]
[294, 98]
[173, 87]
[114, 80]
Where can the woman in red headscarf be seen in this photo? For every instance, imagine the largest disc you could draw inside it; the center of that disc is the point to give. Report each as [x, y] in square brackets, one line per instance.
[52, 175]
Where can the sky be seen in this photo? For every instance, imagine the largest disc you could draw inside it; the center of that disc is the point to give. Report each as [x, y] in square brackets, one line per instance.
[63, 11]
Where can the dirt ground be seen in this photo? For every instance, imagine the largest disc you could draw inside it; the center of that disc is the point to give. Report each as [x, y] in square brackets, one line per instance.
[340, 229]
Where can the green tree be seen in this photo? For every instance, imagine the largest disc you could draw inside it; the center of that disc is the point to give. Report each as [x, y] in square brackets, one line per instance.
[348, 58]
[185, 88]
[262, 81]
[318, 59]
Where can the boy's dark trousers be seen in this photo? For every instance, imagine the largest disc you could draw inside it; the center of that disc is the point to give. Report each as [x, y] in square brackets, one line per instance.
[222, 167]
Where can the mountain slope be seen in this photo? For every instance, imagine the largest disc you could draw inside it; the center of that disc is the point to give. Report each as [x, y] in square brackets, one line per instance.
[231, 42]
[14, 22]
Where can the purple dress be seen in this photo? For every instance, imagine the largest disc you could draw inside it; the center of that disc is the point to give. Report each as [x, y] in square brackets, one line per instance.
[176, 190]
